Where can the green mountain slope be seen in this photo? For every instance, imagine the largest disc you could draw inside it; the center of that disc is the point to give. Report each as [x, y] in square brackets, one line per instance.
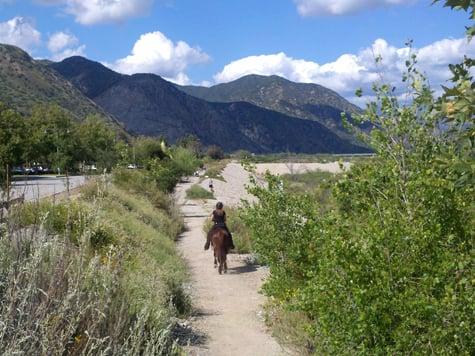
[25, 82]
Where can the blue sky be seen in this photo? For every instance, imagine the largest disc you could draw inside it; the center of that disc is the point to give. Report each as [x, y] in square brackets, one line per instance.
[323, 41]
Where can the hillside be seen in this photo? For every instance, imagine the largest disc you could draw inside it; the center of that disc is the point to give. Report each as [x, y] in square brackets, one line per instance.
[148, 105]
[25, 83]
[300, 100]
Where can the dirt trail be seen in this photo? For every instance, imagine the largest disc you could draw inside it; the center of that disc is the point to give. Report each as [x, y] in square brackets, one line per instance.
[229, 315]
[229, 320]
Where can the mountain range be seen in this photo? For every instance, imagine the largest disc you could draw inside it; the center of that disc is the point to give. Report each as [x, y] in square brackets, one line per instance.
[25, 83]
[259, 114]
[300, 100]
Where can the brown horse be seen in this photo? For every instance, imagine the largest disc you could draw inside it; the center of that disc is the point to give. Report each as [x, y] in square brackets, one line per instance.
[219, 240]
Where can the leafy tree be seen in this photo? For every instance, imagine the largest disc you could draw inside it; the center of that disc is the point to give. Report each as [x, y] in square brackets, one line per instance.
[52, 138]
[146, 148]
[97, 142]
[191, 143]
[12, 139]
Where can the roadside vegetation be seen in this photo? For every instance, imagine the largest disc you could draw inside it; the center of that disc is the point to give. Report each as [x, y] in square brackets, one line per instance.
[386, 264]
[98, 273]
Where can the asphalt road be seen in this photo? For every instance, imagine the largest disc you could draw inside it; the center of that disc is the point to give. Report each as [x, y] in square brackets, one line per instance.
[37, 187]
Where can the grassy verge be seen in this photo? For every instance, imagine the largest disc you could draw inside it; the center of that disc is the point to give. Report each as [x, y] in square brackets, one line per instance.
[198, 192]
[99, 274]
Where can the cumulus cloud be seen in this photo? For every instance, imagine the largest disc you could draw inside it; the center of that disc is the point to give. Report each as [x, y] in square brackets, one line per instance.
[351, 71]
[63, 45]
[89, 12]
[19, 32]
[155, 53]
[341, 7]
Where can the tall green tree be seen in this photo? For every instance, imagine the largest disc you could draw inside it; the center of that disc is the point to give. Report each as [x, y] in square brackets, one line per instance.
[97, 143]
[12, 140]
[53, 138]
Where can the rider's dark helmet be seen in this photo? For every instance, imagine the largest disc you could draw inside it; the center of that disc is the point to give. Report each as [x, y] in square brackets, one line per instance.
[219, 205]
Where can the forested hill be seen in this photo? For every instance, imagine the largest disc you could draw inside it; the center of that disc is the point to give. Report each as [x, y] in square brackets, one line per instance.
[149, 105]
[25, 82]
[301, 100]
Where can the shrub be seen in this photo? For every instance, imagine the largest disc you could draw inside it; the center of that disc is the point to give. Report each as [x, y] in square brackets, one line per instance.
[215, 152]
[390, 269]
[198, 192]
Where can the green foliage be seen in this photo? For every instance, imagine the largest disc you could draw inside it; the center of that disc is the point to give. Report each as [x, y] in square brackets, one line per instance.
[12, 138]
[390, 269]
[97, 275]
[465, 5]
[191, 143]
[198, 192]
[97, 142]
[185, 160]
[67, 219]
[146, 148]
[51, 137]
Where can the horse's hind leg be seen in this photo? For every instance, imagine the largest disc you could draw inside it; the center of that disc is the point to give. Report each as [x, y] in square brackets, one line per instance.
[215, 260]
[225, 266]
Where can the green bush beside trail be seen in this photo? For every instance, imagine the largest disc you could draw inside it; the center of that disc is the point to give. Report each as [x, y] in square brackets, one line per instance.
[390, 267]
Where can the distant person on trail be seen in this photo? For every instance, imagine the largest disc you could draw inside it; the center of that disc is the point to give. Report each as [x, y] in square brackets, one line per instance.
[218, 217]
[211, 185]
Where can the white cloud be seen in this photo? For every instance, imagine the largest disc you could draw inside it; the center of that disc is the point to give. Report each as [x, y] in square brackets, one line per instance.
[59, 40]
[155, 53]
[341, 7]
[63, 45]
[89, 12]
[351, 71]
[19, 32]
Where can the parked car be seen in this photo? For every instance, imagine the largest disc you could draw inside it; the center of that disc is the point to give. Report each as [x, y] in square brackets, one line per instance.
[132, 166]
[18, 170]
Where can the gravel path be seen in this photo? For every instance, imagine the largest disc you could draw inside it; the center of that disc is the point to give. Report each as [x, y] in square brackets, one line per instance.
[229, 317]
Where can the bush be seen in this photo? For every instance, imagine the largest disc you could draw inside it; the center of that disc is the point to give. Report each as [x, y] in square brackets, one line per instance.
[390, 269]
[64, 218]
[215, 152]
[97, 275]
[198, 192]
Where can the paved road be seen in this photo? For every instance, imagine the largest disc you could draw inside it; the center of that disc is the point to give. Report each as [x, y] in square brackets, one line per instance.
[37, 187]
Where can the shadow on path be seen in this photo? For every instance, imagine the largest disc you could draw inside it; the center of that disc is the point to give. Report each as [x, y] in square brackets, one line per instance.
[242, 269]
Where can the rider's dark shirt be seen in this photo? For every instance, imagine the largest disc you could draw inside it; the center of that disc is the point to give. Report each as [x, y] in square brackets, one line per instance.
[219, 217]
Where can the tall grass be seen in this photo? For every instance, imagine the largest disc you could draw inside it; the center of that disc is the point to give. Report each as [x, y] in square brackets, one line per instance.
[98, 275]
[198, 192]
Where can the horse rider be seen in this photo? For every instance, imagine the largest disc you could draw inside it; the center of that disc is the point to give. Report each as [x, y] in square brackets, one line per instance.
[218, 216]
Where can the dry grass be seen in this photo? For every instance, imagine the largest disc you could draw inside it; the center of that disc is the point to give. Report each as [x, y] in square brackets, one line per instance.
[99, 275]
